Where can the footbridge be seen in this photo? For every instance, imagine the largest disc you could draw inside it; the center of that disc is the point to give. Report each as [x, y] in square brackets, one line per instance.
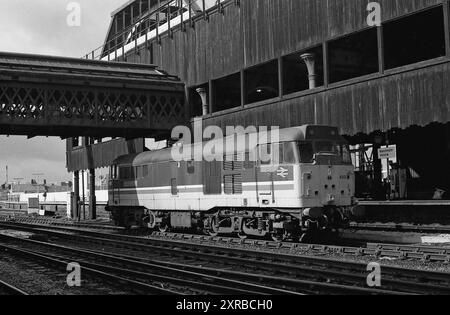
[69, 97]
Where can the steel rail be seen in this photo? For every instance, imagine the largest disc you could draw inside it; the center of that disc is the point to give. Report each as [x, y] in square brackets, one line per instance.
[49, 222]
[10, 289]
[257, 253]
[424, 253]
[407, 286]
[134, 285]
[315, 273]
[233, 286]
[207, 287]
[270, 280]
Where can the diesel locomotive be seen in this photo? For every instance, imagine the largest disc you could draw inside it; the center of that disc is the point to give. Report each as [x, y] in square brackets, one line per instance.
[306, 191]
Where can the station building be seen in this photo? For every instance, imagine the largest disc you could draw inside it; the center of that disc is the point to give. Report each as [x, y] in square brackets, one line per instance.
[294, 62]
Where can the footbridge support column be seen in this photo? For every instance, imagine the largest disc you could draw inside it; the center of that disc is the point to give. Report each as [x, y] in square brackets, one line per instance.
[76, 196]
[92, 198]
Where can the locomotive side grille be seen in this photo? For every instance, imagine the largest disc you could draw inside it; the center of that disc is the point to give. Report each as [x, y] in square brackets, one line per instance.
[238, 165]
[237, 184]
[228, 187]
[212, 178]
[227, 165]
[233, 184]
[232, 163]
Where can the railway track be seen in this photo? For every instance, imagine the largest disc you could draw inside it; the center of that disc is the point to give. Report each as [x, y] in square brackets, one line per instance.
[417, 252]
[55, 222]
[301, 274]
[130, 281]
[98, 281]
[9, 289]
[138, 276]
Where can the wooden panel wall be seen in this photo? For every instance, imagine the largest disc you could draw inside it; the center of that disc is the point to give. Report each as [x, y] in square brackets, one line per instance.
[261, 30]
[415, 97]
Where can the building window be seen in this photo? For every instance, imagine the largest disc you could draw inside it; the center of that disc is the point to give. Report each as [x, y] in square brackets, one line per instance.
[296, 74]
[227, 92]
[414, 38]
[353, 56]
[261, 82]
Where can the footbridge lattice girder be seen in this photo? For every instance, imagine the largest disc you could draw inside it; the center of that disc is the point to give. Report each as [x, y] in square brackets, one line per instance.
[66, 97]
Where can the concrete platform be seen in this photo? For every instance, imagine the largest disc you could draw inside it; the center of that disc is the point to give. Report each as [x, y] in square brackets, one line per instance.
[405, 203]
[394, 237]
[404, 211]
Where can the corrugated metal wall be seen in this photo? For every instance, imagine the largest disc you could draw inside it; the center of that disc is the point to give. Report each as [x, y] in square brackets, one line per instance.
[101, 154]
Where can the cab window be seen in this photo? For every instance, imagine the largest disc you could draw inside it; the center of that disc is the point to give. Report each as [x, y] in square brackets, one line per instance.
[289, 153]
[126, 172]
[325, 147]
[344, 152]
[306, 152]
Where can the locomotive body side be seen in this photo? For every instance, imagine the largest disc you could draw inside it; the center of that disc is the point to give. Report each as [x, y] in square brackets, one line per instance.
[304, 191]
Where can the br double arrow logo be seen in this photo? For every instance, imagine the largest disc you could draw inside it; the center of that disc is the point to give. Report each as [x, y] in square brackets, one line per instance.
[282, 172]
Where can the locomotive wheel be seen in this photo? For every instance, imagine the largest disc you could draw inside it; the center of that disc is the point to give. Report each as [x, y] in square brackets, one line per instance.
[242, 235]
[305, 238]
[163, 228]
[279, 236]
[214, 229]
[151, 220]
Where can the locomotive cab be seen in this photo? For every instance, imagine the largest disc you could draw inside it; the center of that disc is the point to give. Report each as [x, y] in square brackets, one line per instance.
[326, 180]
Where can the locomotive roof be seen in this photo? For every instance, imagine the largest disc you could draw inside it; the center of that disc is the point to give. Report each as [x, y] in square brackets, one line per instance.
[302, 133]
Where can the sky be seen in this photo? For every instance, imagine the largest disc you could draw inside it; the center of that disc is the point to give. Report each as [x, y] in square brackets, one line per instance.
[40, 27]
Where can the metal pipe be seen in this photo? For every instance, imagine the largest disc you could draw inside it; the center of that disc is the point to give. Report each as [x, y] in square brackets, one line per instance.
[76, 195]
[92, 198]
[84, 197]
